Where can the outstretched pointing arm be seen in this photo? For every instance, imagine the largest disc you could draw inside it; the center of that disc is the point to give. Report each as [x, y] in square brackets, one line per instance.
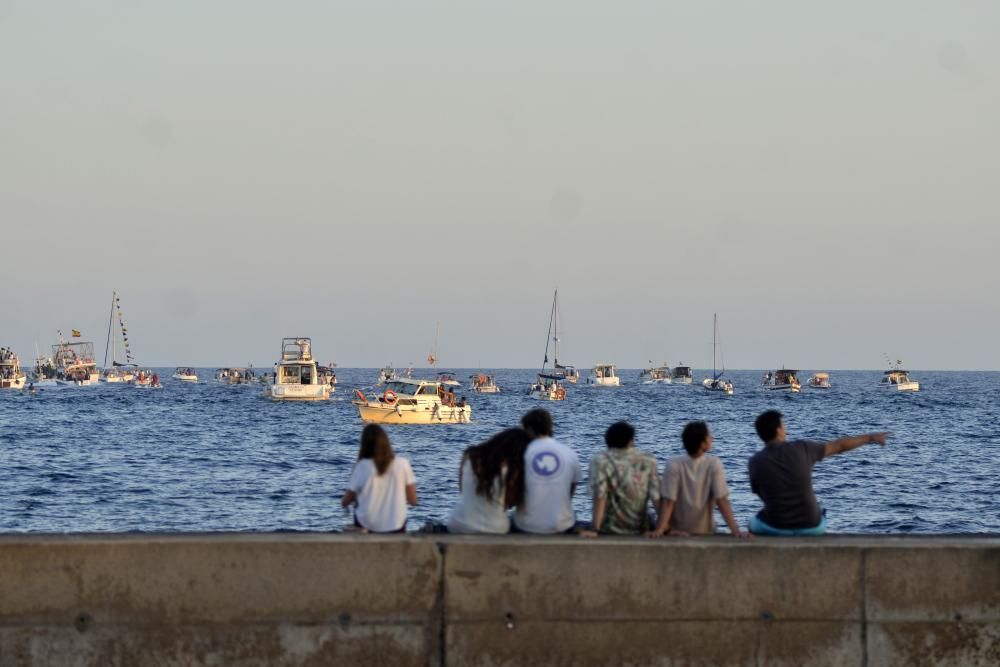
[853, 442]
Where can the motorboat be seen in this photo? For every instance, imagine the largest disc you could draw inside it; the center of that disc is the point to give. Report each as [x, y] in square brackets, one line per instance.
[412, 401]
[898, 379]
[74, 363]
[656, 375]
[604, 375]
[235, 376]
[185, 374]
[11, 375]
[681, 375]
[484, 384]
[118, 372]
[717, 382]
[386, 374]
[296, 375]
[328, 376]
[818, 381]
[783, 379]
[547, 387]
[143, 378]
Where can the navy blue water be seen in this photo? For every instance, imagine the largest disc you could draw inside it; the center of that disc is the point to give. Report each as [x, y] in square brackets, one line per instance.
[208, 457]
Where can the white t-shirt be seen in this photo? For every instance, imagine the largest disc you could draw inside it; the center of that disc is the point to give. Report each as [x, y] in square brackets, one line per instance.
[550, 470]
[475, 513]
[381, 498]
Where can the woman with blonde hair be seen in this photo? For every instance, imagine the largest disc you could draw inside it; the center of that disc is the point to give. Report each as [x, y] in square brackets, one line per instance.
[382, 485]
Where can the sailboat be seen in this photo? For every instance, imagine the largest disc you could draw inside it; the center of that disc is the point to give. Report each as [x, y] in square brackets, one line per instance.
[546, 386]
[716, 383]
[117, 372]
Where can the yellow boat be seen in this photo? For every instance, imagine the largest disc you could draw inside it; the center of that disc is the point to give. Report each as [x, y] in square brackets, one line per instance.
[409, 401]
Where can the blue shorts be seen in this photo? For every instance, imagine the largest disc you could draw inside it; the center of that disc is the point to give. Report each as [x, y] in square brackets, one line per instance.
[758, 527]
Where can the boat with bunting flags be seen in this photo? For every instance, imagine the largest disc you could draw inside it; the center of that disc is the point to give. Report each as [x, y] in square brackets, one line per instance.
[118, 371]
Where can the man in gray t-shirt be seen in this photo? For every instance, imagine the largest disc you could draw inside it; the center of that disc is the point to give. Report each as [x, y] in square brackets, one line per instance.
[781, 474]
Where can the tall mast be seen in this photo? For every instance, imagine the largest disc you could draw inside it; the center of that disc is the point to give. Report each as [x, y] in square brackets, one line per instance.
[715, 335]
[109, 343]
[555, 329]
[548, 334]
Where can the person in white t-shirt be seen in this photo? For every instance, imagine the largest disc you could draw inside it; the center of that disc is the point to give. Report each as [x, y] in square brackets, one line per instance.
[382, 484]
[551, 471]
[490, 480]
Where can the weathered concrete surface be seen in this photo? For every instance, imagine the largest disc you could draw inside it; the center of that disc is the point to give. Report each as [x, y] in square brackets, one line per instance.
[301, 599]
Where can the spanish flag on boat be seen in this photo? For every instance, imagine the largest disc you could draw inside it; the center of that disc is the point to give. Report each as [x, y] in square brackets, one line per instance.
[76, 333]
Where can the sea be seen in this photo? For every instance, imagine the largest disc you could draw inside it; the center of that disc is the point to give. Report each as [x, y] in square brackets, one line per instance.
[211, 457]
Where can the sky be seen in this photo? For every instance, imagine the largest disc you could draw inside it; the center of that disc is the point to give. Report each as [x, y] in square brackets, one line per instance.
[825, 178]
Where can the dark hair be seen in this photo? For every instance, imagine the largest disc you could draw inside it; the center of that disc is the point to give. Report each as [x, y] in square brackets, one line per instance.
[693, 435]
[619, 435]
[767, 425]
[537, 422]
[488, 459]
[375, 445]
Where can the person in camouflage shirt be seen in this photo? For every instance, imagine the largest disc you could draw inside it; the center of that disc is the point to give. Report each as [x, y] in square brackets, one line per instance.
[624, 483]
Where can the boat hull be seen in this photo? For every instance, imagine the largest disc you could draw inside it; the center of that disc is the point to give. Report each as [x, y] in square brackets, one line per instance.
[185, 378]
[604, 382]
[486, 390]
[379, 413]
[681, 381]
[13, 383]
[718, 387]
[902, 386]
[790, 388]
[298, 392]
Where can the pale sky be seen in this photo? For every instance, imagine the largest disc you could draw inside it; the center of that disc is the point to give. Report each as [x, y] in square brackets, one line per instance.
[825, 176]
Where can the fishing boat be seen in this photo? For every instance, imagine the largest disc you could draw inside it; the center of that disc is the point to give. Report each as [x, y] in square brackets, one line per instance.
[818, 381]
[123, 371]
[412, 401]
[783, 379]
[656, 375]
[11, 375]
[185, 374]
[483, 383]
[898, 379]
[547, 385]
[716, 382]
[681, 375]
[73, 363]
[296, 375]
[603, 375]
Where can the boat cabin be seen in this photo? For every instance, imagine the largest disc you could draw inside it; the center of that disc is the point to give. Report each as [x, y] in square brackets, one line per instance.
[785, 376]
[896, 376]
[602, 371]
[681, 372]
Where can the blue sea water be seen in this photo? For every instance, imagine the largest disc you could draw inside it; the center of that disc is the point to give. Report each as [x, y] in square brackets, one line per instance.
[209, 457]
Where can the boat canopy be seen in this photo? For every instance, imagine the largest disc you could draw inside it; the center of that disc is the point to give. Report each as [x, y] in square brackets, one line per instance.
[296, 349]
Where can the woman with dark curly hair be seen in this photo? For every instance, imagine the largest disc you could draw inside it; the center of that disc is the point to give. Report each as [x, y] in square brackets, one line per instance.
[490, 481]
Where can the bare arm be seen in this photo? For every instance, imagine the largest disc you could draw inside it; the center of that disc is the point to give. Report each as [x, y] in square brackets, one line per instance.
[664, 512]
[349, 498]
[411, 494]
[600, 505]
[853, 442]
[727, 514]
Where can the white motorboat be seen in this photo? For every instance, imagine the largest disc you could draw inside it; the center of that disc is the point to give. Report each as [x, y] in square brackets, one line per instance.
[297, 374]
[74, 363]
[11, 375]
[483, 383]
[898, 379]
[604, 375]
[144, 377]
[235, 376]
[386, 374]
[328, 376]
[185, 374]
[681, 375]
[819, 381]
[410, 401]
[783, 379]
[656, 375]
[717, 382]
[547, 388]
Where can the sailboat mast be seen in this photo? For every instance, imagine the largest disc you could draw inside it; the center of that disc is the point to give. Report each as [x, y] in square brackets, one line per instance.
[548, 334]
[715, 336]
[555, 329]
[108, 343]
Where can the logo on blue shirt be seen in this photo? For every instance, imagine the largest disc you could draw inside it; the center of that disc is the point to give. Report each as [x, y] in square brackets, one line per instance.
[545, 464]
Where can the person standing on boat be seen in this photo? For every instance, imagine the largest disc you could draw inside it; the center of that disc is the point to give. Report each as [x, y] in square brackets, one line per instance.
[781, 474]
[624, 484]
[490, 481]
[382, 485]
[551, 472]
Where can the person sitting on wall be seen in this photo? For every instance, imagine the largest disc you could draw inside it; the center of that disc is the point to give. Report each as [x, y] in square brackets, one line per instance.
[551, 471]
[781, 474]
[624, 484]
[382, 485]
[691, 485]
[490, 481]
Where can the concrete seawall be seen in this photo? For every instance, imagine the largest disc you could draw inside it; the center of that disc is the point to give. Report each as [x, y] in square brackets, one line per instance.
[309, 599]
